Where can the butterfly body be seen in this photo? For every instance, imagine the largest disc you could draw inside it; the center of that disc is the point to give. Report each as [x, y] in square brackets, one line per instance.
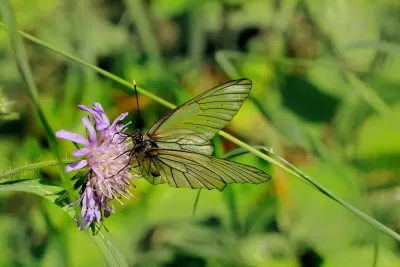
[177, 149]
[142, 144]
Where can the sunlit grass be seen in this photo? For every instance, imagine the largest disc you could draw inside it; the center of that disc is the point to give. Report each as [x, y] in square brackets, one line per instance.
[285, 217]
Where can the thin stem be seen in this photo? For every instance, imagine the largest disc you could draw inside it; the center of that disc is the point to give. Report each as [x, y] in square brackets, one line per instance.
[25, 70]
[28, 167]
[21, 59]
[145, 30]
[196, 202]
[197, 33]
[371, 97]
[295, 171]
[226, 65]
[276, 160]
[95, 68]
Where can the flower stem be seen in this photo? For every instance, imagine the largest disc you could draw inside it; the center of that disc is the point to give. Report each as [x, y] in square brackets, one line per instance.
[23, 66]
[25, 70]
[9, 176]
[274, 159]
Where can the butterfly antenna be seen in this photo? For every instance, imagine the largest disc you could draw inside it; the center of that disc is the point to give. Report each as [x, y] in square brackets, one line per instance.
[137, 100]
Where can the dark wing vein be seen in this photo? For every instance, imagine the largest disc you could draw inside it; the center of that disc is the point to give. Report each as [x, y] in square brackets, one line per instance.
[193, 170]
[199, 119]
[152, 177]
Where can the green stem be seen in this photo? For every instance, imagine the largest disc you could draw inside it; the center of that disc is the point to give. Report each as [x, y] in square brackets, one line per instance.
[8, 176]
[103, 240]
[279, 161]
[25, 70]
[196, 202]
[226, 65]
[197, 33]
[144, 29]
[295, 171]
[21, 59]
[96, 69]
[230, 197]
[370, 96]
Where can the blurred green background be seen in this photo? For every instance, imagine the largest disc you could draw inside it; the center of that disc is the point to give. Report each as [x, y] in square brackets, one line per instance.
[325, 97]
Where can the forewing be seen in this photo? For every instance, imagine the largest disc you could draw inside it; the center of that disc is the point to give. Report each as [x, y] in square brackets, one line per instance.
[190, 126]
[193, 170]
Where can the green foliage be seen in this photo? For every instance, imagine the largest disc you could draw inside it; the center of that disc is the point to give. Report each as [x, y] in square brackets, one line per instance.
[325, 98]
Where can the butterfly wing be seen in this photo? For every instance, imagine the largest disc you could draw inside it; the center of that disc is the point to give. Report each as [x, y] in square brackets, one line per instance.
[192, 170]
[149, 170]
[190, 126]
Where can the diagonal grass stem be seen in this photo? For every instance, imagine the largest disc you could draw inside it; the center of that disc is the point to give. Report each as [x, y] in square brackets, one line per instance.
[268, 156]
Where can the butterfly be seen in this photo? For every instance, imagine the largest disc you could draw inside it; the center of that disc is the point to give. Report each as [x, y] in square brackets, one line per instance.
[177, 149]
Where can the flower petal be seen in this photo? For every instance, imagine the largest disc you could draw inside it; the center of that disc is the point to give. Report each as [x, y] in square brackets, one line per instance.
[98, 115]
[67, 135]
[91, 131]
[85, 108]
[97, 213]
[97, 107]
[76, 165]
[119, 118]
[98, 173]
[81, 152]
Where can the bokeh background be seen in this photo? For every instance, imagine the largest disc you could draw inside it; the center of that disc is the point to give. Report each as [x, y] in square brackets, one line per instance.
[325, 97]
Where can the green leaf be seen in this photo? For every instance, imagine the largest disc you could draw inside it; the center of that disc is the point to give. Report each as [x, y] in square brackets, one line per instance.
[362, 256]
[26, 73]
[268, 250]
[372, 98]
[388, 48]
[345, 22]
[274, 159]
[163, 9]
[16, 174]
[103, 240]
[377, 137]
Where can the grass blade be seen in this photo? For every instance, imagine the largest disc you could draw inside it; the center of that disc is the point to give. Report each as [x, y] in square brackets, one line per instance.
[304, 177]
[279, 162]
[103, 240]
[25, 70]
[196, 202]
[369, 96]
[385, 47]
[197, 33]
[226, 65]
[11, 175]
[230, 195]
[23, 66]
[94, 68]
[140, 17]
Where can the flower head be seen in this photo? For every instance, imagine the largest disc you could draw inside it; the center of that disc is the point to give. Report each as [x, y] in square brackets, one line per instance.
[105, 162]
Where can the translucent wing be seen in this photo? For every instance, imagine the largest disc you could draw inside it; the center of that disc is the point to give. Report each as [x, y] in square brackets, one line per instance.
[193, 170]
[190, 126]
[149, 170]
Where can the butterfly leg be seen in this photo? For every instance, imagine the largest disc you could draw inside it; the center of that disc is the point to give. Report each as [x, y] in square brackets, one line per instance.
[131, 152]
[125, 136]
[128, 151]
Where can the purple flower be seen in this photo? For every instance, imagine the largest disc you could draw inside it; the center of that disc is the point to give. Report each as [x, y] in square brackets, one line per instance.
[104, 161]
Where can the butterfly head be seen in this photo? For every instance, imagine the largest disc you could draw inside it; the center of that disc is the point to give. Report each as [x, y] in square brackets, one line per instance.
[137, 137]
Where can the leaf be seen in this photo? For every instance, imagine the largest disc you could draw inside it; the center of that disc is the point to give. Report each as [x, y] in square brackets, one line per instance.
[274, 159]
[11, 175]
[163, 9]
[373, 99]
[388, 48]
[103, 240]
[362, 256]
[268, 250]
[345, 22]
